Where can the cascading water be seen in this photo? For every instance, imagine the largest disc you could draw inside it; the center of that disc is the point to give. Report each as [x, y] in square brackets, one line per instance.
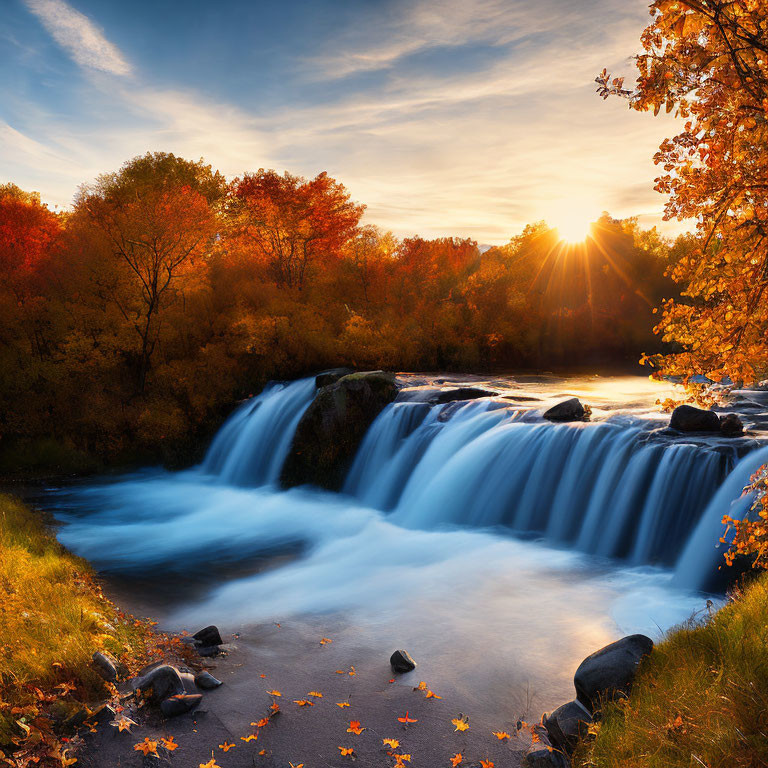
[252, 445]
[433, 481]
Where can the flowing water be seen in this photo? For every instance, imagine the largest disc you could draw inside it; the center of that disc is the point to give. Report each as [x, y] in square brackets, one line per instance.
[472, 531]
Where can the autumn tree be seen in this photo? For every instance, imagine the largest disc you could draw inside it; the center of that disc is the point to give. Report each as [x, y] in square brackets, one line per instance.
[155, 220]
[291, 225]
[706, 61]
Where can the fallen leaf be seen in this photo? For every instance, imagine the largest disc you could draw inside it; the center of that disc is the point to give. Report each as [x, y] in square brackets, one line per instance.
[325, 641]
[346, 751]
[210, 764]
[406, 719]
[393, 743]
[300, 765]
[226, 746]
[274, 693]
[422, 686]
[316, 694]
[261, 723]
[432, 695]
[501, 735]
[456, 759]
[122, 723]
[400, 759]
[169, 743]
[486, 763]
[355, 727]
[342, 704]
[461, 722]
[147, 747]
[304, 702]
[250, 737]
[275, 707]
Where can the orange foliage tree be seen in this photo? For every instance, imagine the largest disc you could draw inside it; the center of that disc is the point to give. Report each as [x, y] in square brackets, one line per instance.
[292, 224]
[707, 61]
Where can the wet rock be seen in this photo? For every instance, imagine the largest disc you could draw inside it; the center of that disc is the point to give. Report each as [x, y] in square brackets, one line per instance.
[164, 681]
[206, 651]
[208, 636]
[460, 393]
[332, 427]
[568, 410]
[206, 681]
[731, 425]
[686, 418]
[331, 376]
[567, 724]
[402, 662]
[544, 754]
[610, 671]
[180, 705]
[69, 714]
[108, 667]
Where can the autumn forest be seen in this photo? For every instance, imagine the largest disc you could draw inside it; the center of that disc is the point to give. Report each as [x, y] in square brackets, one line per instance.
[133, 322]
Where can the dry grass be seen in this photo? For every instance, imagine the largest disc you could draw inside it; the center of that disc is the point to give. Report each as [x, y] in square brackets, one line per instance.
[700, 699]
[53, 617]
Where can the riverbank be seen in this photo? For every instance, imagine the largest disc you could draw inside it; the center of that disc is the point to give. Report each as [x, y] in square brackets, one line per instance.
[53, 618]
[701, 697]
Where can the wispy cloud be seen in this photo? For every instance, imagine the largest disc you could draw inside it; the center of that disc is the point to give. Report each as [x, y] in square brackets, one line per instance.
[79, 36]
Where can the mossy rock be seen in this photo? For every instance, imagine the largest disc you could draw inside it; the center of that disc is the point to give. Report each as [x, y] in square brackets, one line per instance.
[331, 429]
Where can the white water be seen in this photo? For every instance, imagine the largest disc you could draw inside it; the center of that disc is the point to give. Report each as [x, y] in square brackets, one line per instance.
[434, 528]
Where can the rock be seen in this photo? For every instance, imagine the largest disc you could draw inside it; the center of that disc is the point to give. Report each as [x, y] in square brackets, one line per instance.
[208, 636]
[332, 427]
[686, 418]
[180, 705]
[206, 681]
[731, 425]
[568, 410]
[206, 651]
[567, 724]
[402, 662]
[610, 671]
[69, 714]
[331, 376]
[461, 393]
[542, 753]
[164, 680]
[108, 667]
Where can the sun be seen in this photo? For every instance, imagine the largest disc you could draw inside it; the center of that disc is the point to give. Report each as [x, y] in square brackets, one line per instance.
[573, 220]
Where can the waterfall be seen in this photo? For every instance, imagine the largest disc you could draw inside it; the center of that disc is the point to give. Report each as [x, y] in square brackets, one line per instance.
[697, 567]
[251, 446]
[611, 488]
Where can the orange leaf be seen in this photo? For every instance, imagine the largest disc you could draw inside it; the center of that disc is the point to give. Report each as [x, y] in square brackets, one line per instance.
[500, 735]
[406, 719]
[346, 751]
[342, 704]
[261, 723]
[169, 743]
[461, 722]
[325, 641]
[486, 763]
[316, 694]
[147, 747]
[456, 759]
[355, 727]
[432, 695]
[250, 737]
[304, 702]
[393, 743]
[226, 746]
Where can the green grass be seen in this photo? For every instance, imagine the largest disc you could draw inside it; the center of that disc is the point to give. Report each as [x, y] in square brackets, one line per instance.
[700, 699]
[53, 616]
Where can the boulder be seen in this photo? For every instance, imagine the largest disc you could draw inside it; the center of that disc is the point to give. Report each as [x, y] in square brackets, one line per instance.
[568, 410]
[402, 662]
[567, 724]
[206, 681]
[164, 681]
[686, 418]
[180, 704]
[208, 636]
[731, 425]
[332, 427]
[331, 376]
[460, 393]
[542, 753]
[108, 667]
[610, 671]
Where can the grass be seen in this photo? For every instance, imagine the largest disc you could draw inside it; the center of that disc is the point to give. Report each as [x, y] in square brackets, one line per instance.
[53, 616]
[700, 699]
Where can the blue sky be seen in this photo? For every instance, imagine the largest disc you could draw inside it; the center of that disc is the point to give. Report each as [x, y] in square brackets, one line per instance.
[462, 117]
